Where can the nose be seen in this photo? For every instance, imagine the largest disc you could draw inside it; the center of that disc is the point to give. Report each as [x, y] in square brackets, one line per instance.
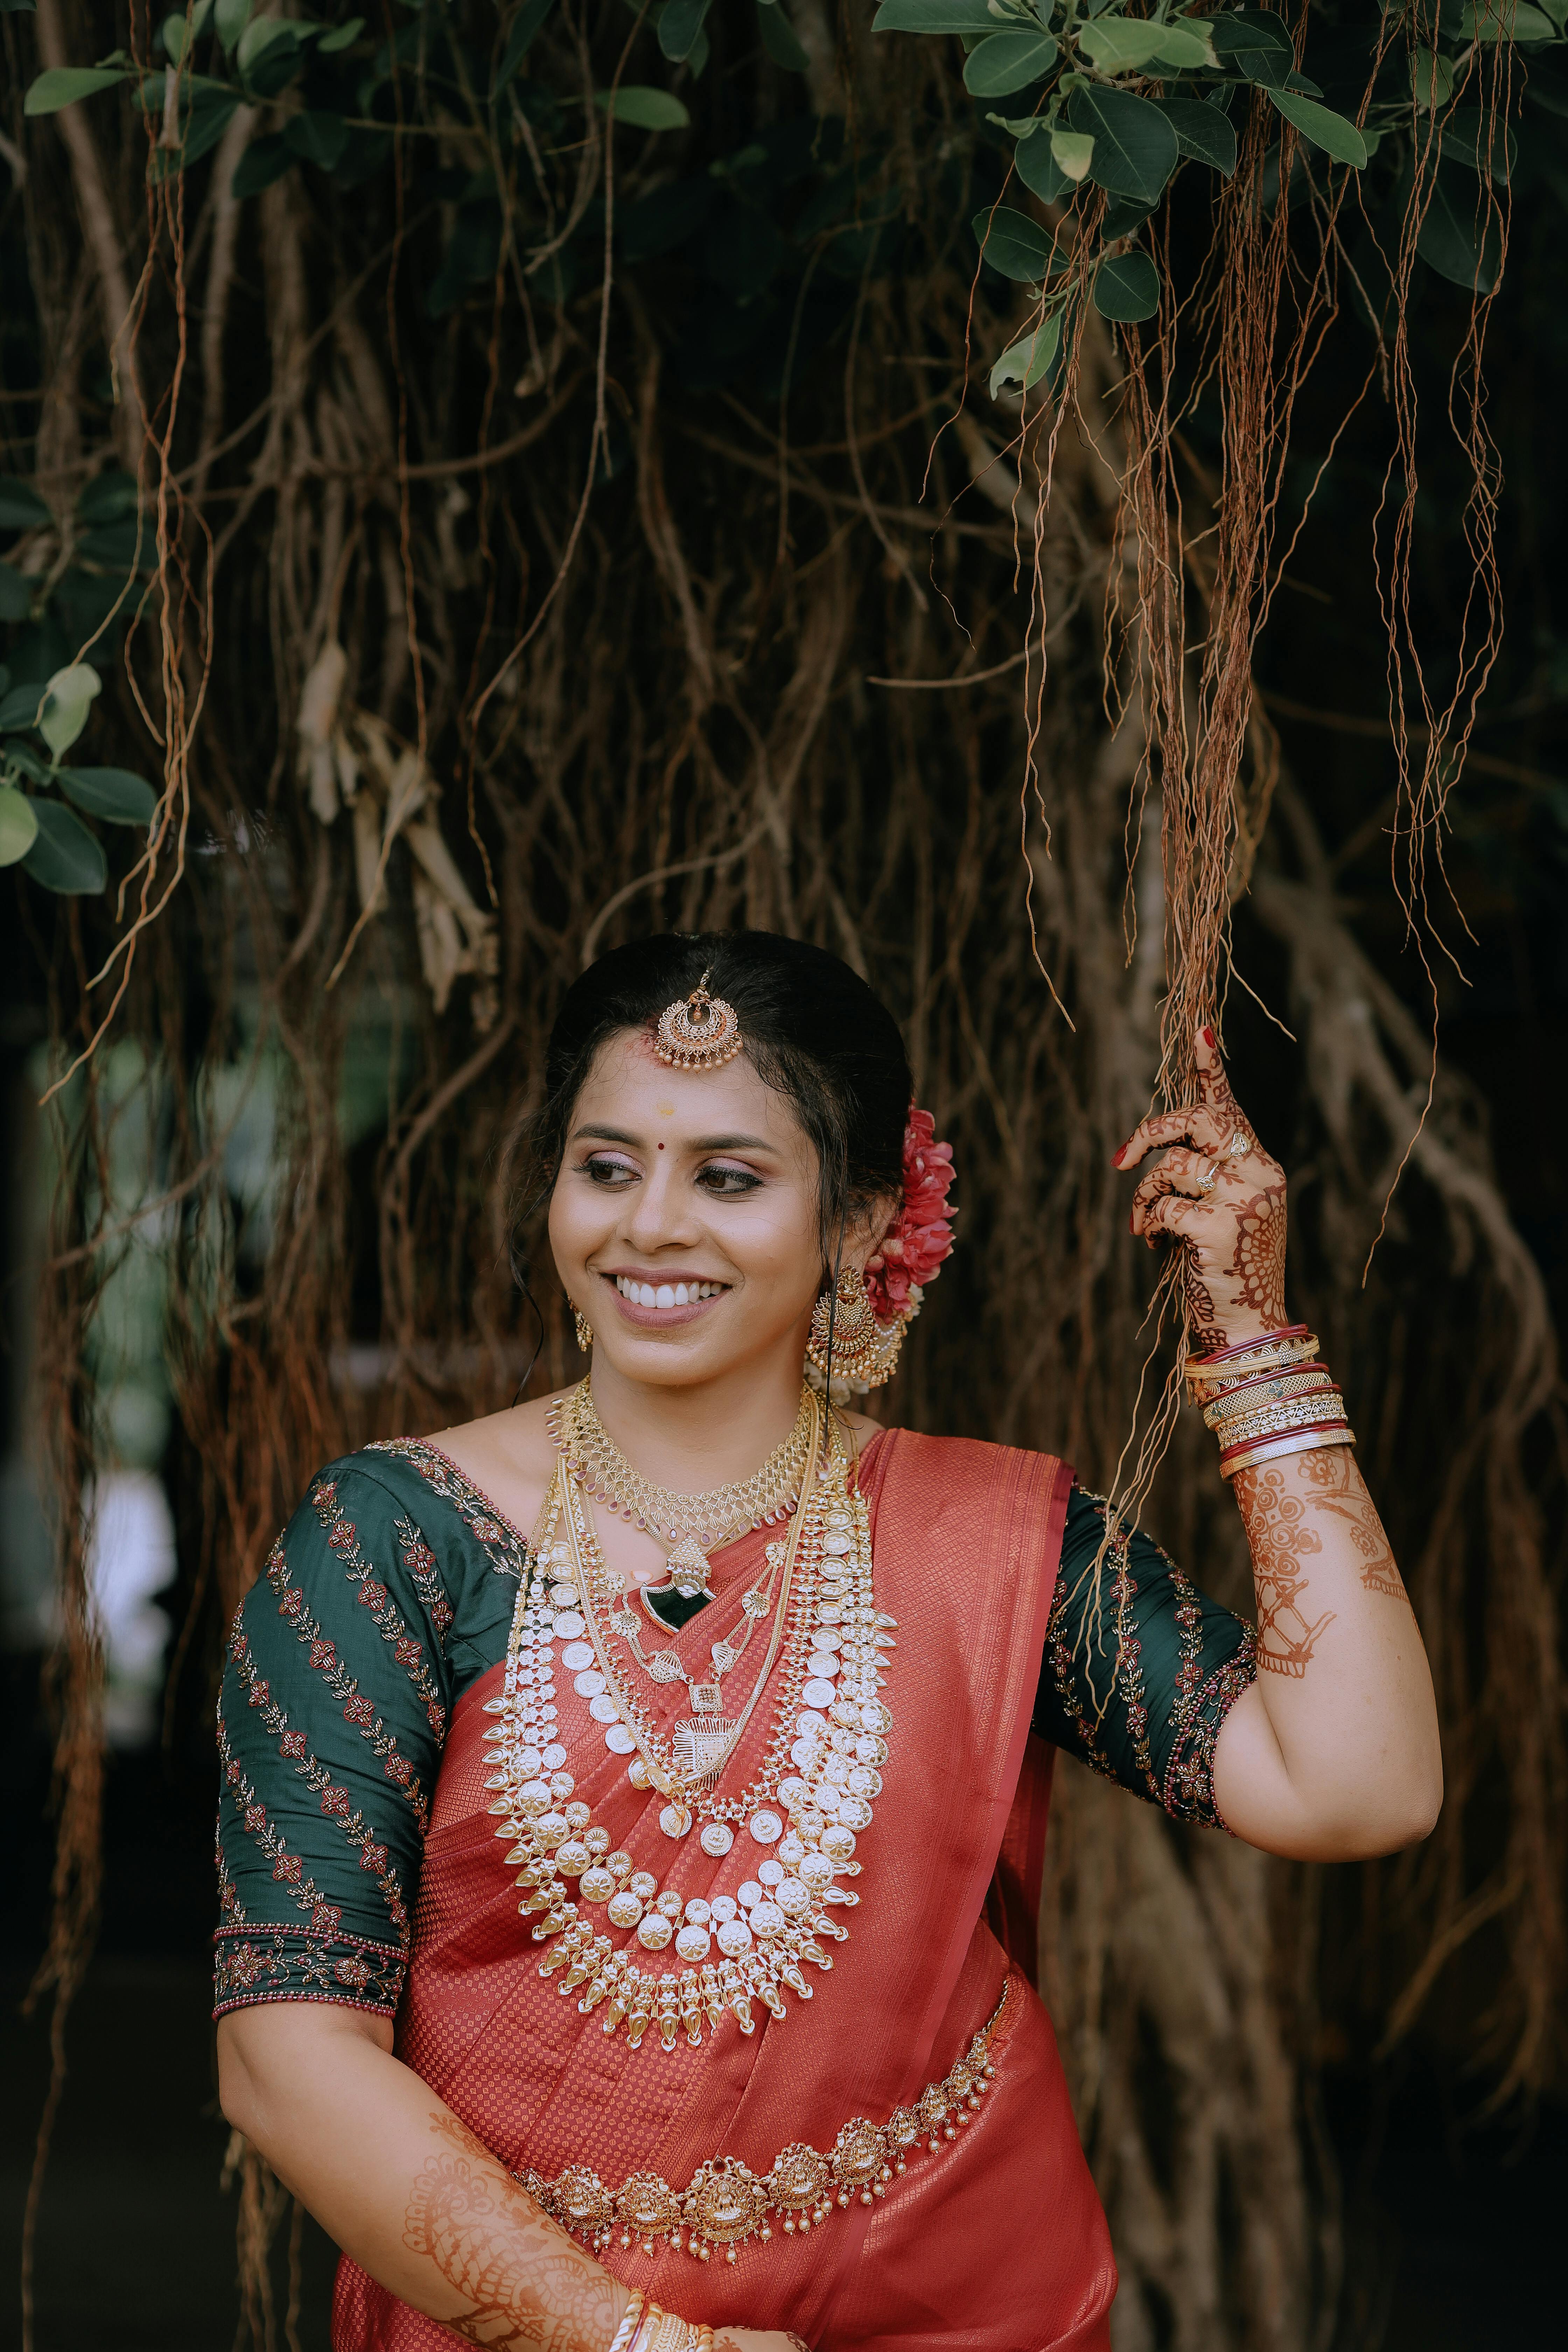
[661, 1214]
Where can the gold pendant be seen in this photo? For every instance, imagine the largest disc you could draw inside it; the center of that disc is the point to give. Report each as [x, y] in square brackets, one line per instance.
[687, 1581]
[700, 1747]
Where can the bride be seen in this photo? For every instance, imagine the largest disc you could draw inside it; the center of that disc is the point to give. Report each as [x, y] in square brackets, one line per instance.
[629, 1842]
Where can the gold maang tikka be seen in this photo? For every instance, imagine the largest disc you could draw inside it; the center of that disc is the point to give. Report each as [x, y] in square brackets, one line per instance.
[697, 1031]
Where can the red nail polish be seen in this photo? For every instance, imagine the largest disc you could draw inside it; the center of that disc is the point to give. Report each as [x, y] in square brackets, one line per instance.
[1116, 1156]
[1209, 1039]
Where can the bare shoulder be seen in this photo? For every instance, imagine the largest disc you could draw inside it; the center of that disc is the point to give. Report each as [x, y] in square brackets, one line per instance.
[508, 1455]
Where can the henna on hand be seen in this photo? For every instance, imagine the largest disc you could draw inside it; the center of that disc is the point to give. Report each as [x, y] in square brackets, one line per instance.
[1230, 1230]
[1281, 1535]
[521, 2280]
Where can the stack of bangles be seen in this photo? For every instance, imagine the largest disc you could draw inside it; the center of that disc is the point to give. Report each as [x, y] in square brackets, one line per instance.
[647, 2328]
[1268, 1397]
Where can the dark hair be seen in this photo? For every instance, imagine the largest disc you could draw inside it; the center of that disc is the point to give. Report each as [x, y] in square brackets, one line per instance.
[811, 1026]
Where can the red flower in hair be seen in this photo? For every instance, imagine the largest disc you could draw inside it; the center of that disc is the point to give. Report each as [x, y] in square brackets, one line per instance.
[921, 1237]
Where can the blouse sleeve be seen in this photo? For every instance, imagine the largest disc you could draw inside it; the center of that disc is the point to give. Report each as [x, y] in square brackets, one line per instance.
[1139, 1669]
[330, 1718]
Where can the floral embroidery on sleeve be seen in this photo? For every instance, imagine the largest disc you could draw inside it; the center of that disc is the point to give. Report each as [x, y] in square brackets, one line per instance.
[373, 1596]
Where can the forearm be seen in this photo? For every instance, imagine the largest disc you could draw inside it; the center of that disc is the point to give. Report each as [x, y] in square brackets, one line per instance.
[1333, 1754]
[404, 2188]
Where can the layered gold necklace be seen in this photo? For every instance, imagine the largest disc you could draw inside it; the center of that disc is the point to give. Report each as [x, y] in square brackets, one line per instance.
[803, 1814]
[694, 1525]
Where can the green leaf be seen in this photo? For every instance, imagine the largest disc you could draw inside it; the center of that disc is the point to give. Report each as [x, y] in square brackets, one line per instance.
[16, 596]
[65, 857]
[112, 793]
[108, 498]
[1135, 149]
[1026, 361]
[1471, 136]
[934, 16]
[1037, 166]
[21, 507]
[205, 126]
[1505, 20]
[1187, 45]
[779, 38]
[231, 18]
[68, 698]
[1006, 61]
[1450, 241]
[343, 38]
[1334, 133]
[63, 85]
[679, 23]
[1202, 131]
[1431, 79]
[1127, 287]
[1072, 153]
[643, 109]
[1122, 44]
[1014, 244]
[264, 161]
[1254, 43]
[527, 22]
[258, 37]
[1116, 44]
[18, 824]
[319, 137]
[19, 710]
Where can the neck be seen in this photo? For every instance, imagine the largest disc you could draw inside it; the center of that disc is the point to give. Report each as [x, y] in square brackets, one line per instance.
[709, 1433]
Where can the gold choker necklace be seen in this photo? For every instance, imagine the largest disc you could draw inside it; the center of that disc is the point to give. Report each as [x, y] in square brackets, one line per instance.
[693, 1525]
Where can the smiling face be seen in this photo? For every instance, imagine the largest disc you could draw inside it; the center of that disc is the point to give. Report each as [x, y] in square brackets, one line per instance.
[684, 1220]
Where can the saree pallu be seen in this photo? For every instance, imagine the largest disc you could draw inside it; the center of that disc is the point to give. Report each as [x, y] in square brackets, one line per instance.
[996, 2242]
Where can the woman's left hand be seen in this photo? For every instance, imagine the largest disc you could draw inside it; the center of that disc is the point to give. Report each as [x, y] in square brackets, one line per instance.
[1224, 1202]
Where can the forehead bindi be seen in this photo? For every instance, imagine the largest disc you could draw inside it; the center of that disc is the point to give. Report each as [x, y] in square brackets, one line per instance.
[630, 1089]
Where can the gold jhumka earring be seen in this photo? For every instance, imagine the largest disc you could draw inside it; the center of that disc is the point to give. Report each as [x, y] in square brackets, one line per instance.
[584, 1331]
[864, 1350]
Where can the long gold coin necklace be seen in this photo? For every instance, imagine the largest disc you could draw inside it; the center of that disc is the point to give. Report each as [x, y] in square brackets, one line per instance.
[807, 1809]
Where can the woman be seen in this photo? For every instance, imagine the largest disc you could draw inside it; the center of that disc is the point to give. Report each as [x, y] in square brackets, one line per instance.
[626, 1823]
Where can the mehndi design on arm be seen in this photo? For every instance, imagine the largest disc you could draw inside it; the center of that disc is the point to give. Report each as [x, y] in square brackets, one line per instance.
[1341, 1490]
[521, 2281]
[1282, 1537]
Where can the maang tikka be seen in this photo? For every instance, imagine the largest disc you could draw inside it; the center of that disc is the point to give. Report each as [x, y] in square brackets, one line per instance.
[697, 1031]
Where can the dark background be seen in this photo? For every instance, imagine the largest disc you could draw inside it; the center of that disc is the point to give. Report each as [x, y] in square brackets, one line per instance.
[1453, 2213]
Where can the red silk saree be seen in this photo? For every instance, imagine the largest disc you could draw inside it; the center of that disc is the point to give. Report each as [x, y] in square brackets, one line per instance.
[993, 2239]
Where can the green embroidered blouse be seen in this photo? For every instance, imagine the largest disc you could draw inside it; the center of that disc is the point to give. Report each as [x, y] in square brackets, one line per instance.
[391, 1591]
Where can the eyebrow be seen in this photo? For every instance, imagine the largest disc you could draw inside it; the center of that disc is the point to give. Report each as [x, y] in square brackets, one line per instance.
[699, 1143]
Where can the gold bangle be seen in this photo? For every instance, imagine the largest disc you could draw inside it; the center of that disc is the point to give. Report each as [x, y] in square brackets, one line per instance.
[1264, 1391]
[1303, 1441]
[1232, 1363]
[622, 2339]
[1217, 1377]
[666, 2331]
[643, 2338]
[1275, 1419]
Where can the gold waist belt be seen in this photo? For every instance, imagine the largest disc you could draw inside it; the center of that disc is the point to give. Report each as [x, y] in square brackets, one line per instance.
[725, 2203]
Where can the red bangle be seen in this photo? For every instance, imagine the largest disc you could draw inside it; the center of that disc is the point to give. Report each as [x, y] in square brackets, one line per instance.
[1247, 1347]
